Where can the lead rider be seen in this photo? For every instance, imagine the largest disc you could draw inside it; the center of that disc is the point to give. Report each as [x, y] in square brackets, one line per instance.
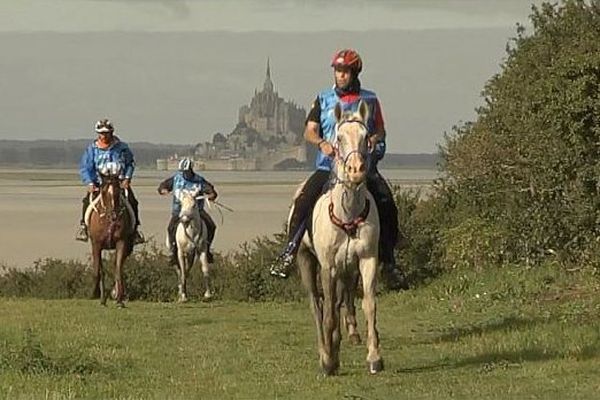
[320, 131]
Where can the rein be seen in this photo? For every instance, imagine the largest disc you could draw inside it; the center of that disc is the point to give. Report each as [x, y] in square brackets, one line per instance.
[350, 227]
[113, 213]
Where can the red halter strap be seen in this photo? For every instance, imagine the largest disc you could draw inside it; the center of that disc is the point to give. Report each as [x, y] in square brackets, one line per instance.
[350, 227]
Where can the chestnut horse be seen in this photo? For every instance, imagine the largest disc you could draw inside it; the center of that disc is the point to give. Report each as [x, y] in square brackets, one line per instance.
[111, 225]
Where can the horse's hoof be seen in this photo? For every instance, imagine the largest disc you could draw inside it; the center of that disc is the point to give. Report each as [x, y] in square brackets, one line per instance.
[330, 369]
[120, 305]
[376, 366]
[354, 339]
[208, 296]
[183, 300]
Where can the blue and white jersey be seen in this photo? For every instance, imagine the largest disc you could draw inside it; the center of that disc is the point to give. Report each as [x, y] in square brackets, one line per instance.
[327, 101]
[196, 182]
[94, 158]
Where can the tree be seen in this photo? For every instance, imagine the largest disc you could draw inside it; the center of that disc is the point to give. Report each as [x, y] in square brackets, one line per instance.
[529, 165]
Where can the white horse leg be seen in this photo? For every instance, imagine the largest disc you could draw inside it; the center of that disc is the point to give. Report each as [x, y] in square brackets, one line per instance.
[331, 321]
[307, 265]
[183, 267]
[368, 271]
[206, 273]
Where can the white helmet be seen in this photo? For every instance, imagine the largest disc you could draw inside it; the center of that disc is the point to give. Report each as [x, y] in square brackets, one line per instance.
[185, 164]
[104, 126]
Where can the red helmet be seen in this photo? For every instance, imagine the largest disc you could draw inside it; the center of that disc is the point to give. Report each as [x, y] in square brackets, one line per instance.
[347, 58]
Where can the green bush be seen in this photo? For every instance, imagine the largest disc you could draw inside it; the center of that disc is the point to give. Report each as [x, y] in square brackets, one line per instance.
[474, 244]
[527, 170]
[242, 275]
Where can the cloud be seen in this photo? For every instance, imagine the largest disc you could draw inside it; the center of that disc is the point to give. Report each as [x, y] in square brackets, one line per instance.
[258, 15]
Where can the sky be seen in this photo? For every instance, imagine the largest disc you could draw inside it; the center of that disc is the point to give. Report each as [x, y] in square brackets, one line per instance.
[251, 15]
[163, 68]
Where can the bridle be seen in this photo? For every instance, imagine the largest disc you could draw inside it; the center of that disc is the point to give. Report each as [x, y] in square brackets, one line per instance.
[350, 227]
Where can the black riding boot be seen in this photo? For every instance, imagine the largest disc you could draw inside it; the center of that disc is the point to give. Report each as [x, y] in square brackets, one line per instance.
[138, 237]
[211, 228]
[82, 232]
[303, 204]
[389, 233]
[171, 229]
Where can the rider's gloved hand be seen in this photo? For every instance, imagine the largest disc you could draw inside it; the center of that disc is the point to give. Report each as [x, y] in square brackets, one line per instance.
[326, 148]
[125, 183]
[379, 150]
[92, 188]
[212, 196]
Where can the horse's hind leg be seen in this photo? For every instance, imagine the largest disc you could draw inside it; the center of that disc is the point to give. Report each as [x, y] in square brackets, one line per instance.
[350, 318]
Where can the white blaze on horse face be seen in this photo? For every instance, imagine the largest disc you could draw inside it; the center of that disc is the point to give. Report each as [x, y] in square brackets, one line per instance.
[351, 136]
[188, 204]
[111, 194]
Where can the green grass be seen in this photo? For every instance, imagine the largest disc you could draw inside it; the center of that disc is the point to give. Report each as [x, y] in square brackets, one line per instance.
[504, 334]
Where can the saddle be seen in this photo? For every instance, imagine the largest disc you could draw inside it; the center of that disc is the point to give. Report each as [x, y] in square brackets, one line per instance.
[94, 200]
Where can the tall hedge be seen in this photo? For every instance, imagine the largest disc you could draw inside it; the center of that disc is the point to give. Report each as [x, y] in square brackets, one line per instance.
[528, 168]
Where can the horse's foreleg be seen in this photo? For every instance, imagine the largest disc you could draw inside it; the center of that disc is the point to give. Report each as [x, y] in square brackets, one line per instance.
[206, 274]
[331, 321]
[121, 251]
[350, 318]
[368, 271]
[307, 265]
[99, 273]
[183, 269]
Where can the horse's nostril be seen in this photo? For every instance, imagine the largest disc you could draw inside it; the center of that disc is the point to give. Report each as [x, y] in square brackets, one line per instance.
[362, 168]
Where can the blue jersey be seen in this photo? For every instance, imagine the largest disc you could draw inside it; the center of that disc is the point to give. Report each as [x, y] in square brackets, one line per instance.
[327, 101]
[94, 158]
[196, 182]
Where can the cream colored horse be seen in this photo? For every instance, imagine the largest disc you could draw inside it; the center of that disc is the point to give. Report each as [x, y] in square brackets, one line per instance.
[344, 243]
[191, 238]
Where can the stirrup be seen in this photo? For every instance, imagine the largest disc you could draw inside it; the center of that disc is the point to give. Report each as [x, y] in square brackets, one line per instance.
[138, 237]
[82, 233]
[282, 266]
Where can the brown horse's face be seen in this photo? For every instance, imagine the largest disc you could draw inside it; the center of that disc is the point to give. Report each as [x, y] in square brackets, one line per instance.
[351, 144]
[110, 190]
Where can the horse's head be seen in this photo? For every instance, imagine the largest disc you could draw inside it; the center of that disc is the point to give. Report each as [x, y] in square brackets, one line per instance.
[110, 188]
[351, 143]
[189, 205]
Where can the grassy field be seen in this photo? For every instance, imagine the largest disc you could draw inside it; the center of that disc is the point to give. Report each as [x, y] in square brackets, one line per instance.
[507, 334]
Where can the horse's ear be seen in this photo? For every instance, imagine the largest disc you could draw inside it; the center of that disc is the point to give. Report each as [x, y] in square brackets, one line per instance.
[337, 111]
[363, 110]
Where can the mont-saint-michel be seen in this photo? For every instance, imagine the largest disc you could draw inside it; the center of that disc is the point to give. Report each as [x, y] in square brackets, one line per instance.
[268, 136]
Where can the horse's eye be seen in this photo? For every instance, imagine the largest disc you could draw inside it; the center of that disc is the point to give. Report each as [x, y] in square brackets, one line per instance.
[339, 139]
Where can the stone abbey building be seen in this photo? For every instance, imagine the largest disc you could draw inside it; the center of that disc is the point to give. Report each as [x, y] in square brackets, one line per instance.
[268, 135]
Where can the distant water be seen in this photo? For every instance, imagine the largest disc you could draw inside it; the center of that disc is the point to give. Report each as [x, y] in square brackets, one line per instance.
[393, 175]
